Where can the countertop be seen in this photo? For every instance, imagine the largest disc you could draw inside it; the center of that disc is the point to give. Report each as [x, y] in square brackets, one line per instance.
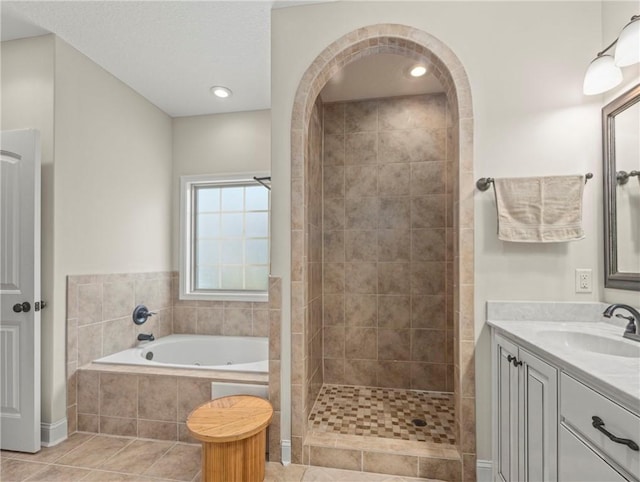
[616, 376]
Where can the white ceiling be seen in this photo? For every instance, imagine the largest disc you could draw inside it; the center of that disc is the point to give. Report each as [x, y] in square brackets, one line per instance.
[382, 75]
[172, 52]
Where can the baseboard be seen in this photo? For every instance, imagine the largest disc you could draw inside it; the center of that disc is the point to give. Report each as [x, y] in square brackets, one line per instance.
[286, 451]
[53, 433]
[484, 470]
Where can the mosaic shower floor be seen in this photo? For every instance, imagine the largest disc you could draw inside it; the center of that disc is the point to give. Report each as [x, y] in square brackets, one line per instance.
[385, 413]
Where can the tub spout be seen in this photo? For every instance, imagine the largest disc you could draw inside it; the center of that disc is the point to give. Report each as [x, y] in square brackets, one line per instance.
[145, 337]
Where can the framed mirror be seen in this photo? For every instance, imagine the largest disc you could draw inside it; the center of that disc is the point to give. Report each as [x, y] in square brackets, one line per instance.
[621, 143]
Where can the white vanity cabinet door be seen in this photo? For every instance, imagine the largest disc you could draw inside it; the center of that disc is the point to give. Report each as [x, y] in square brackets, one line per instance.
[526, 425]
[507, 407]
[540, 418]
[579, 463]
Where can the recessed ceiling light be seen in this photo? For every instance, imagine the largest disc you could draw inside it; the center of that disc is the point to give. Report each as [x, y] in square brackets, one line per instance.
[220, 91]
[418, 71]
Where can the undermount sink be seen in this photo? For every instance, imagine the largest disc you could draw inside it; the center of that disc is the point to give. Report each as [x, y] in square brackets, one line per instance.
[591, 343]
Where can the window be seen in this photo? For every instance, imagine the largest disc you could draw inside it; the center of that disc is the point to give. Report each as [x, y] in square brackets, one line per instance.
[224, 239]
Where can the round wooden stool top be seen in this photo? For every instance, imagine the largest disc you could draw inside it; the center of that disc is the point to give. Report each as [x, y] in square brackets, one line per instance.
[231, 418]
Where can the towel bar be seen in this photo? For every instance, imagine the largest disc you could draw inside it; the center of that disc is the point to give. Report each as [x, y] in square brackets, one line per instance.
[484, 182]
[623, 176]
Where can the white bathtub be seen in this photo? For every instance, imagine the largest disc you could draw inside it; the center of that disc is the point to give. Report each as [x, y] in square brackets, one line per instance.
[228, 353]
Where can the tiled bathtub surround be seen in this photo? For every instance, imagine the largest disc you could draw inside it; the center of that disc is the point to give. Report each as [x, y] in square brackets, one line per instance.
[116, 401]
[99, 323]
[447, 68]
[227, 318]
[387, 241]
[275, 318]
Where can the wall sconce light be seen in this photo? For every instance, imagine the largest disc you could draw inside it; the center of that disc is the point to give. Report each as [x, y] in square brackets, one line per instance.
[604, 71]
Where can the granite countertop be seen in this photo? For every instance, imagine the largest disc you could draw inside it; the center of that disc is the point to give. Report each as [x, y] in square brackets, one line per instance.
[614, 375]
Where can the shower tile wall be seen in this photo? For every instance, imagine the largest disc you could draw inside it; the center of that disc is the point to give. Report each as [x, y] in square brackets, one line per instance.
[313, 335]
[306, 336]
[388, 244]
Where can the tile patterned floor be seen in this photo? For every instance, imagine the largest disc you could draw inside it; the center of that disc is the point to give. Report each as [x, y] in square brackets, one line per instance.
[384, 413]
[103, 458]
[91, 457]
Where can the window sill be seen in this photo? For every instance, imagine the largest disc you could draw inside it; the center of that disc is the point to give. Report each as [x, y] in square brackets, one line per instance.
[229, 296]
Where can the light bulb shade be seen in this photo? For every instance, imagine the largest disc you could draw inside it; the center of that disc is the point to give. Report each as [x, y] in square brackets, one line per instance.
[602, 75]
[628, 45]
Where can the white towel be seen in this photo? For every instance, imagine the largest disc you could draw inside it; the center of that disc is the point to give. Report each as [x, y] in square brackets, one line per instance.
[540, 209]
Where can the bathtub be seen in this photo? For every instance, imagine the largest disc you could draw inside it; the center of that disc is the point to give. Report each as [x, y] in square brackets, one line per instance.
[226, 353]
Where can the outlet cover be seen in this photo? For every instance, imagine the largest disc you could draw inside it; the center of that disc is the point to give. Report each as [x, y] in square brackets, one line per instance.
[584, 280]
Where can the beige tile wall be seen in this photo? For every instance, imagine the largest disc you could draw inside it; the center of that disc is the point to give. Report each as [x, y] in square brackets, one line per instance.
[313, 329]
[388, 244]
[99, 323]
[139, 404]
[99, 309]
[306, 327]
[226, 318]
[447, 68]
[275, 317]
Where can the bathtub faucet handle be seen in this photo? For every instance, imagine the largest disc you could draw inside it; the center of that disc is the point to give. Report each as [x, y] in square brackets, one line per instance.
[145, 337]
[141, 313]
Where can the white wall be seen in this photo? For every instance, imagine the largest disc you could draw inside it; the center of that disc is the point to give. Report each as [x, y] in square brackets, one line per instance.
[107, 195]
[615, 15]
[112, 183]
[27, 103]
[218, 144]
[525, 62]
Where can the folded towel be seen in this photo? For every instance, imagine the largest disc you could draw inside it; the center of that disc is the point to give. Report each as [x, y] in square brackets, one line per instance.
[540, 209]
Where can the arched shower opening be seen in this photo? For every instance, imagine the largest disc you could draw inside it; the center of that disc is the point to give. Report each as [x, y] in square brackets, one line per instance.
[348, 302]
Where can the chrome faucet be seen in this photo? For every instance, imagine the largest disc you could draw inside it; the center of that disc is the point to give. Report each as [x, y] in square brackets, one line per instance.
[632, 331]
[145, 337]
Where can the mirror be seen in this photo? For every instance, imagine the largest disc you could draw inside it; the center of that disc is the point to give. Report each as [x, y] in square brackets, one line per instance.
[621, 142]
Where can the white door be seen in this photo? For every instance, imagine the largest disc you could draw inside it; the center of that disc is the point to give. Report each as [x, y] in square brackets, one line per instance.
[20, 290]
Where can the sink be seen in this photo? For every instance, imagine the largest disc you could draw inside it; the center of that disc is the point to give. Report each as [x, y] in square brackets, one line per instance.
[592, 343]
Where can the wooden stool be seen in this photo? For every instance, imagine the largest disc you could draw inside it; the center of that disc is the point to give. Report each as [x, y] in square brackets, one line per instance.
[233, 435]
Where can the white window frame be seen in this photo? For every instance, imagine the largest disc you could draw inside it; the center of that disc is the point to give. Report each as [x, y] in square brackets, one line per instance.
[186, 228]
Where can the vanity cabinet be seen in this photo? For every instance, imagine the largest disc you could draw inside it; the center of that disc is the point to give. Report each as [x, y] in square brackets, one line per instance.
[587, 415]
[526, 422]
[551, 426]
[579, 463]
